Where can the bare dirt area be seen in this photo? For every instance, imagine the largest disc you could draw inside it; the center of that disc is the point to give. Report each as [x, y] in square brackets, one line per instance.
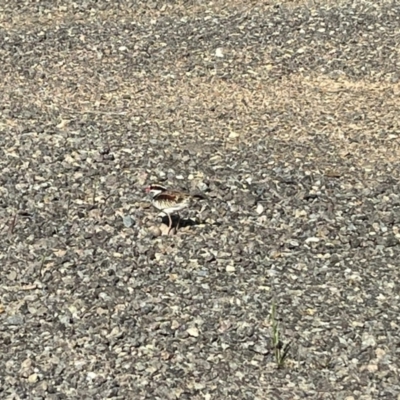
[285, 115]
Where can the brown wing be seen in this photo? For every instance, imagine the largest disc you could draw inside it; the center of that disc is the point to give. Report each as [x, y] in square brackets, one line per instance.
[176, 196]
[172, 196]
[165, 197]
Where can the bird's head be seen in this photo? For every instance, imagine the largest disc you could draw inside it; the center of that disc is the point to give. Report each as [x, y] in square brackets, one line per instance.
[155, 189]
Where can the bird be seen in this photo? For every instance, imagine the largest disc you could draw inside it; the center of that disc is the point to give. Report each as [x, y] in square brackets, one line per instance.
[170, 201]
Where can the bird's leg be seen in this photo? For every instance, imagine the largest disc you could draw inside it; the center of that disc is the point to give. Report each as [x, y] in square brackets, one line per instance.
[169, 219]
[170, 223]
[179, 221]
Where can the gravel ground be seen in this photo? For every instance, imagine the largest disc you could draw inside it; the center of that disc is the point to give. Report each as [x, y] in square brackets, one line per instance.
[285, 115]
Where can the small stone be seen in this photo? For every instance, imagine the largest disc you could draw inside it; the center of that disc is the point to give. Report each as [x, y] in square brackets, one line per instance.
[101, 311]
[261, 349]
[142, 177]
[143, 204]
[158, 256]
[32, 378]
[26, 364]
[62, 124]
[155, 231]
[233, 135]
[250, 201]
[219, 53]
[368, 341]
[202, 186]
[259, 209]
[230, 268]
[193, 331]
[175, 324]
[12, 276]
[16, 319]
[312, 240]
[32, 309]
[104, 296]
[128, 221]
[91, 375]
[372, 368]
[262, 219]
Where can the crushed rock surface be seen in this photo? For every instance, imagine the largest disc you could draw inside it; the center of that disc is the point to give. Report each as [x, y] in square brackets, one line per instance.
[284, 115]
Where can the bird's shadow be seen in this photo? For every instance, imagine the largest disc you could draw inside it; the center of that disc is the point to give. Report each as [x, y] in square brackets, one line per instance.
[180, 222]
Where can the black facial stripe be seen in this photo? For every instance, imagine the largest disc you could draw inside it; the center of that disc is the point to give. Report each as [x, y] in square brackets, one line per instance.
[157, 187]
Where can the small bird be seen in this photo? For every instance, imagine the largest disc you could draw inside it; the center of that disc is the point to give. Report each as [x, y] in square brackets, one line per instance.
[170, 201]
